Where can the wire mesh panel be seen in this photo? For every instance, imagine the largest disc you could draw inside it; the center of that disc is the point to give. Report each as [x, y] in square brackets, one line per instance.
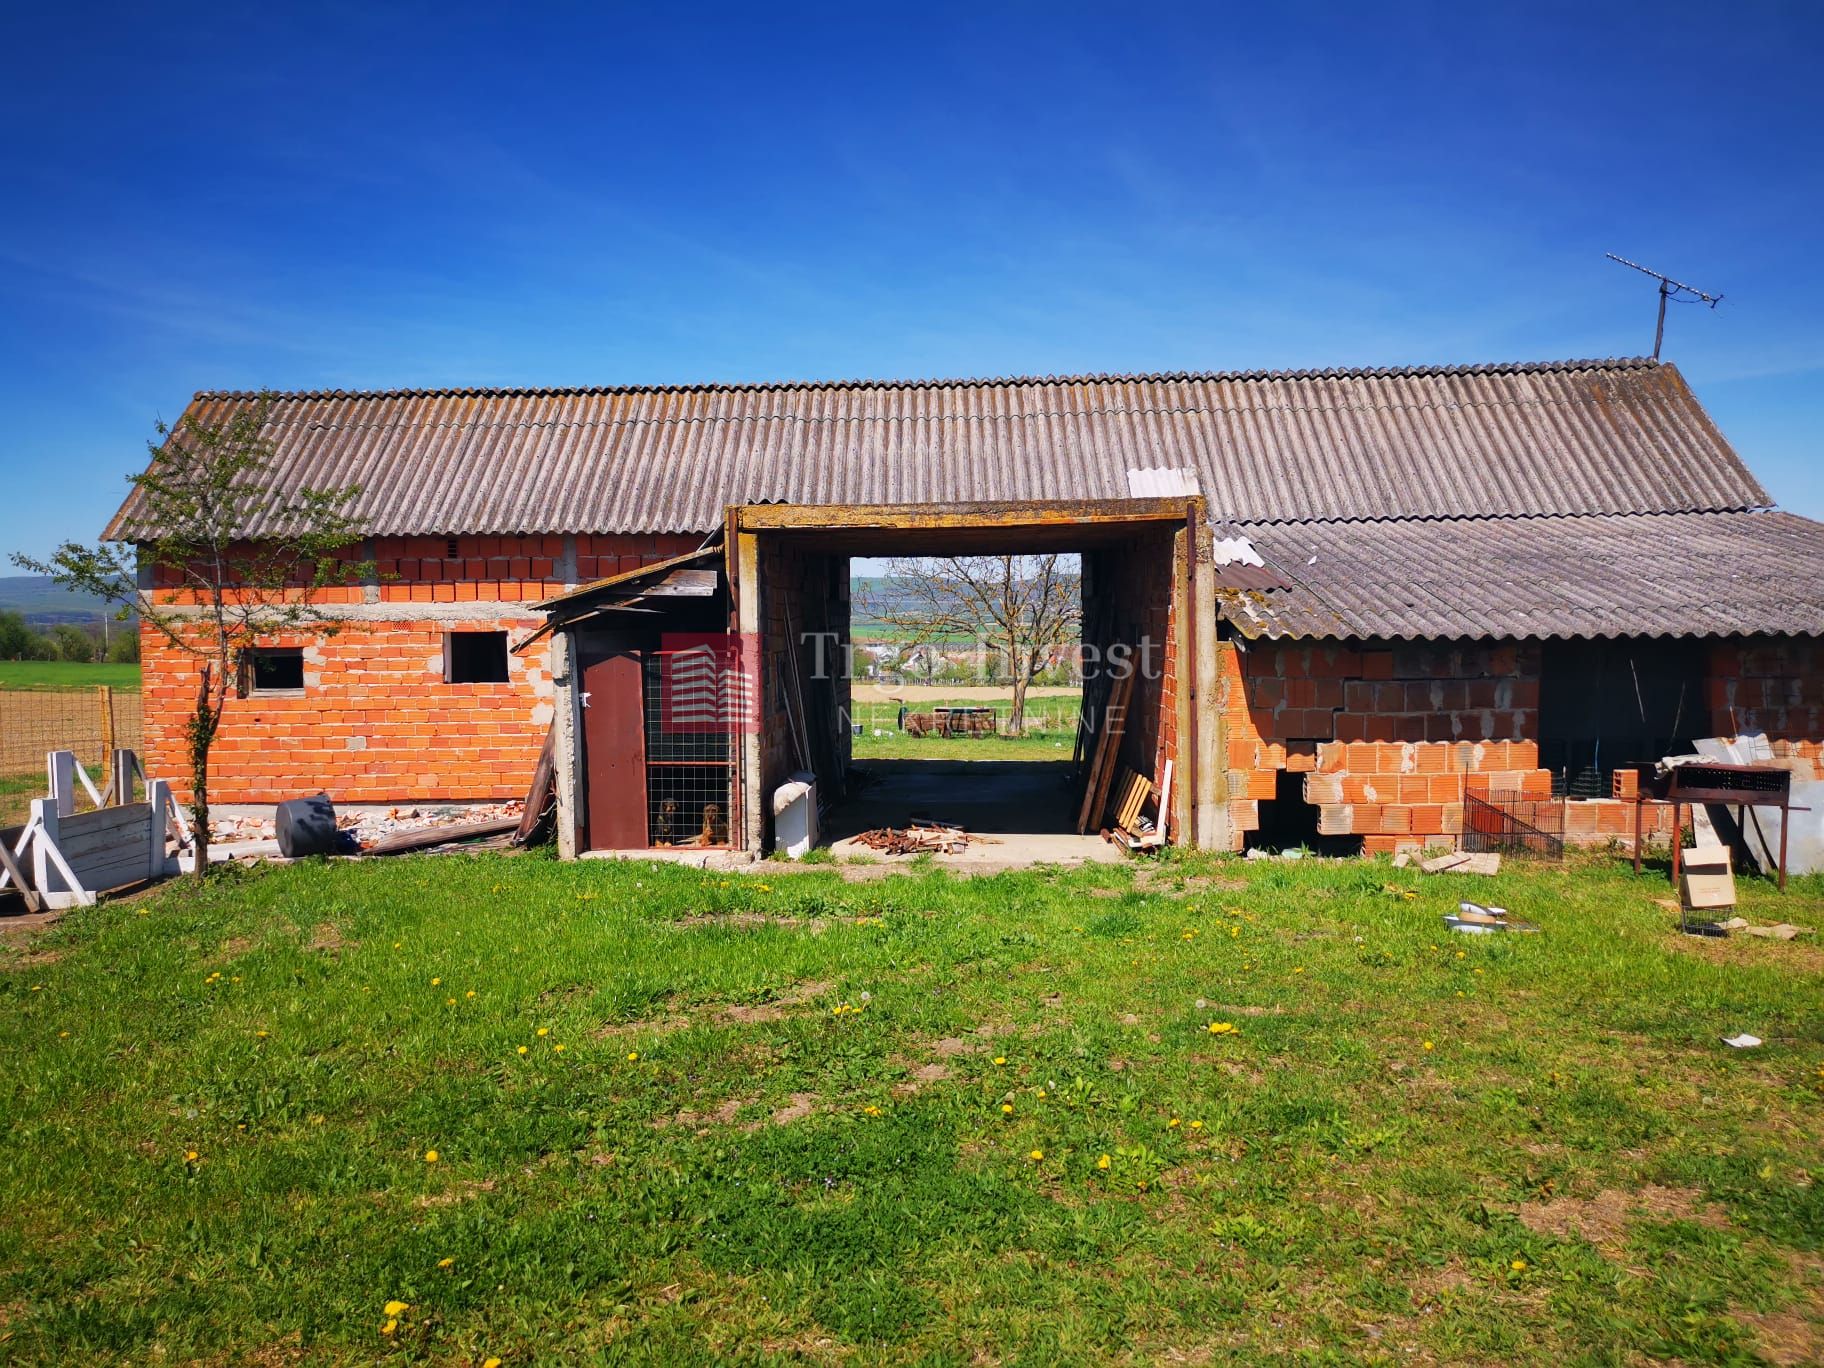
[1513, 826]
[86, 721]
[688, 774]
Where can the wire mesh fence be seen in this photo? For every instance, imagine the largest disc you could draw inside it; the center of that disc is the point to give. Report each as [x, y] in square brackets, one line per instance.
[89, 722]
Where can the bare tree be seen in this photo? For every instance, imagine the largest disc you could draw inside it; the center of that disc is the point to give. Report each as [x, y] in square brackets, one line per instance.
[1021, 608]
[214, 592]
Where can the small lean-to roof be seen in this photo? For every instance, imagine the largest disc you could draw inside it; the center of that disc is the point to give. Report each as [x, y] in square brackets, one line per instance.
[1618, 436]
[1612, 575]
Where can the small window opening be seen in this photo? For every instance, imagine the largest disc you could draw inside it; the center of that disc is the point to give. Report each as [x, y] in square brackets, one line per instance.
[274, 669]
[451, 551]
[475, 657]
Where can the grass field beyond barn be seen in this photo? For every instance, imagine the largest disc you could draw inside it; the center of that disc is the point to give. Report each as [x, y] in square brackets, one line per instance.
[447, 1110]
[65, 674]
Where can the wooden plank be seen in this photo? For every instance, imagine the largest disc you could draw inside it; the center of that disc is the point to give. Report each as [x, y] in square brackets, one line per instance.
[461, 831]
[11, 868]
[538, 797]
[1108, 745]
[115, 873]
[81, 836]
[1130, 797]
[51, 872]
[683, 584]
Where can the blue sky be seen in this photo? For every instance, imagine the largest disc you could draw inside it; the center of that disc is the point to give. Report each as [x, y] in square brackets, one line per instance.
[371, 196]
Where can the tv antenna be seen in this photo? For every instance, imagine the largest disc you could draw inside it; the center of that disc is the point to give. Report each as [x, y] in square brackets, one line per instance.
[1668, 289]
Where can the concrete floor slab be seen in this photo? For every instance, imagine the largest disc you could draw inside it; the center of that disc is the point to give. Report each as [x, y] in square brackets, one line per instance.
[1025, 810]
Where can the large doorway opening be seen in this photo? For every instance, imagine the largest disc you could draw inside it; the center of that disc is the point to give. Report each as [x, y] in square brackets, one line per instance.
[937, 749]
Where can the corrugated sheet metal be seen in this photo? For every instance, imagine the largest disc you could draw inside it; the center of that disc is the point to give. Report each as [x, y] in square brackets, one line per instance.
[1563, 437]
[1676, 574]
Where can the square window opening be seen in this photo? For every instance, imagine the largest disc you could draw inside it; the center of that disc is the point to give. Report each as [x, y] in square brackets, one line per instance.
[475, 657]
[274, 669]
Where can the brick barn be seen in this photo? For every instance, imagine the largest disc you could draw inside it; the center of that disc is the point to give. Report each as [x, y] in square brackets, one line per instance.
[1373, 599]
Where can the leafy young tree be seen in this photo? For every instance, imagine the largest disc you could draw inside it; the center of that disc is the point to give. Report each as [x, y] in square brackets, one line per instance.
[215, 592]
[1021, 608]
[17, 639]
[72, 643]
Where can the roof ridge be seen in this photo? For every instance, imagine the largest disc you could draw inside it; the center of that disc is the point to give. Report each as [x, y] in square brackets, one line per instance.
[989, 382]
[1379, 519]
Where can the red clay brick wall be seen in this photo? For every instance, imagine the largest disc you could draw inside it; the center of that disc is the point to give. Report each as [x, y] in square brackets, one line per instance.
[1390, 736]
[376, 722]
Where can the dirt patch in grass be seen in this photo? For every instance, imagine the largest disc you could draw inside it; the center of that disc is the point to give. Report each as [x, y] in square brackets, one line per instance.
[326, 938]
[801, 1106]
[462, 1192]
[1433, 1285]
[796, 996]
[921, 1077]
[1149, 881]
[723, 1114]
[1603, 1220]
[1804, 954]
[34, 959]
[1786, 1337]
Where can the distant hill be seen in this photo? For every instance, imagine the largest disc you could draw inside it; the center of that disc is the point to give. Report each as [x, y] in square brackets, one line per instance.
[39, 599]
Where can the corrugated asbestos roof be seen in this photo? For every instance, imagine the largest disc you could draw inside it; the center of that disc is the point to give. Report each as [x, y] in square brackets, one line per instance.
[1665, 574]
[1561, 437]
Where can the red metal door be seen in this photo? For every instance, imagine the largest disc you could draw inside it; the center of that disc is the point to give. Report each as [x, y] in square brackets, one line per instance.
[614, 742]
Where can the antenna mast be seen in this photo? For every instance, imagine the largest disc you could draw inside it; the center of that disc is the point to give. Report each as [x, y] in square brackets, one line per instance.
[1668, 289]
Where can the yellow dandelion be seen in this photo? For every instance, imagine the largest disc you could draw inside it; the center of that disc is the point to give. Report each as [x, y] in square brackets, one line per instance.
[1298, 971]
[449, 1002]
[490, 1363]
[431, 1156]
[1104, 1162]
[633, 1056]
[1006, 1109]
[1196, 1125]
[63, 1035]
[390, 1326]
[543, 1031]
[397, 1308]
[1518, 1265]
[1036, 1155]
[557, 1049]
[446, 1263]
[1041, 1094]
[470, 993]
[139, 911]
[523, 1049]
[871, 1110]
[1428, 1045]
[435, 982]
[190, 1156]
[1221, 1027]
[1002, 1059]
[1173, 1124]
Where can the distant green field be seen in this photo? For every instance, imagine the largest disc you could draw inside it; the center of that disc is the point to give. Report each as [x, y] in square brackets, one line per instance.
[65, 674]
[1051, 732]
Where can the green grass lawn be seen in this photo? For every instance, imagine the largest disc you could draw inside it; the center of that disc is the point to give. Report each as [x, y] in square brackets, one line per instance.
[1051, 732]
[65, 674]
[613, 1112]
